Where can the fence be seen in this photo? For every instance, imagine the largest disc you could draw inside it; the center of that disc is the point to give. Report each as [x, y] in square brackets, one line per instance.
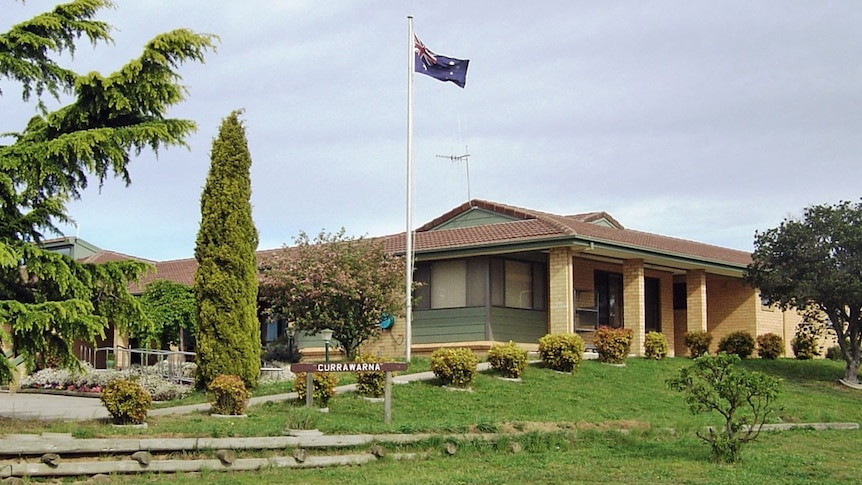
[167, 363]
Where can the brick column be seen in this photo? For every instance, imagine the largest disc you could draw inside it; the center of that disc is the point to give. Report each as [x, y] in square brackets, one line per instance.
[634, 311]
[560, 291]
[695, 284]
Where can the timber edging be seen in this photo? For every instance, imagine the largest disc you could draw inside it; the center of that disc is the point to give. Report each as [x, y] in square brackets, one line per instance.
[56, 444]
[26, 444]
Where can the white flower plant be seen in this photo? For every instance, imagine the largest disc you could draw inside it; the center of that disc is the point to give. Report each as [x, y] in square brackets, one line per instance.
[92, 380]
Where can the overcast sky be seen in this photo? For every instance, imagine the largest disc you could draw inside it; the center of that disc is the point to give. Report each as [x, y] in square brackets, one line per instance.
[701, 120]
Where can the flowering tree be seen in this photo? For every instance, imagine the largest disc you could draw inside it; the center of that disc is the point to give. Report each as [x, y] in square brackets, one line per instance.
[333, 282]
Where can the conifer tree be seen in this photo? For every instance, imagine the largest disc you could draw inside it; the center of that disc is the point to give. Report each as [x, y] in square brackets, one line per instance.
[47, 300]
[228, 334]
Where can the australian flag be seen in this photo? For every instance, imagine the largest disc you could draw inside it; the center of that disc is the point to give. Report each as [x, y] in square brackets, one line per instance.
[439, 67]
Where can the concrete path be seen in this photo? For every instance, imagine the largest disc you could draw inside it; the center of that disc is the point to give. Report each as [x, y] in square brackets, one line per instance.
[68, 408]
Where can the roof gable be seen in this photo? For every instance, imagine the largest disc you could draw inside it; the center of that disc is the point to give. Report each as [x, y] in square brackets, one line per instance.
[473, 217]
[519, 226]
[599, 218]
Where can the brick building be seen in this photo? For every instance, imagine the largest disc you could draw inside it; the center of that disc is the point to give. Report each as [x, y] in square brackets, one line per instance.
[491, 272]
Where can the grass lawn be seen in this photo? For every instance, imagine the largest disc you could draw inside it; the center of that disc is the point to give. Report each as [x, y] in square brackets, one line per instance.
[571, 425]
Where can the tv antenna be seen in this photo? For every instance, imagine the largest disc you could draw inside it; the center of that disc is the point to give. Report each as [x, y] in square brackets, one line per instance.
[462, 158]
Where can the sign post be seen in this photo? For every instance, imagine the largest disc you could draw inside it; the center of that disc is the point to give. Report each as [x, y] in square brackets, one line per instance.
[387, 367]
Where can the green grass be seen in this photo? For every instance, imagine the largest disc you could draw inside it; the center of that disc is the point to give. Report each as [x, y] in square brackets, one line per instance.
[577, 417]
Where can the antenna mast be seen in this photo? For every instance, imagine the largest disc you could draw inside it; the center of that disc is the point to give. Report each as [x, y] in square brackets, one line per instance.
[462, 158]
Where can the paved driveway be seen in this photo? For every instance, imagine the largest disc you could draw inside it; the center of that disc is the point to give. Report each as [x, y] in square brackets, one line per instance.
[47, 406]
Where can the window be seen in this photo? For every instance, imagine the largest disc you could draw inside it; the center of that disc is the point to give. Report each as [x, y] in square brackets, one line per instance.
[449, 284]
[540, 287]
[422, 291]
[518, 284]
[462, 283]
[766, 304]
[274, 328]
[455, 283]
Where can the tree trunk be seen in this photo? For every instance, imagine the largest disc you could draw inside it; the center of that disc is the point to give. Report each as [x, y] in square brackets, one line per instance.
[851, 369]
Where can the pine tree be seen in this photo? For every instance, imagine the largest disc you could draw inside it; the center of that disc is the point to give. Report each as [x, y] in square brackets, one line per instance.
[47, 300]
[228, 335]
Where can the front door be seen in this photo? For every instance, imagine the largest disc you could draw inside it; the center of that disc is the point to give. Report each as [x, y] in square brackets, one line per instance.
[609, 296]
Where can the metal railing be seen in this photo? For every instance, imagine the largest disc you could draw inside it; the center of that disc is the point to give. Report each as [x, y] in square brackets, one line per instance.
[167, 363]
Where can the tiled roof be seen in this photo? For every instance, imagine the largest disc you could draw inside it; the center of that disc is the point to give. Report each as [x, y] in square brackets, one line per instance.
[537, 226]
[178, 270]
[527, 226]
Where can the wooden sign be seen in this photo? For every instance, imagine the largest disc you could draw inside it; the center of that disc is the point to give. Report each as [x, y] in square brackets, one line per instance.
[348, 367]
[387, 367]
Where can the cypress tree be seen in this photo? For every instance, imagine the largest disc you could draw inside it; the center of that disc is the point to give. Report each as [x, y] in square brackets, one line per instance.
[228, 334]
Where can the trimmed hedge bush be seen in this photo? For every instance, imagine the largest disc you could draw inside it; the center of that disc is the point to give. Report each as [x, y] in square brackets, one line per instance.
[834, 353]
[323, 383]
[126, 401]
[739, 343]
[508, 359]
[804, 347]
[770, 346]
[454, 366]
[370, 383]
[655, 346]
[228, 395]
[561, 352]
[613, 344]
[698, 343]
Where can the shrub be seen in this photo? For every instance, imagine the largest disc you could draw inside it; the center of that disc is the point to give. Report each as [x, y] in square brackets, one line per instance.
[834, 353]
[769, 346]
[561, 352]
[804, 342]
[454, 366]
[742, 397]
[228, 395]
[508, 359]
[698, 343]
[739, 343]
[370, 383]
[613, 344]
[126, 401]
[655, 346]
[324, 387]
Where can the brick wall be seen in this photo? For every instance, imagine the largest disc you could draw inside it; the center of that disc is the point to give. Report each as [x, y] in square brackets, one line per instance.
[391, 343]
[732, 306]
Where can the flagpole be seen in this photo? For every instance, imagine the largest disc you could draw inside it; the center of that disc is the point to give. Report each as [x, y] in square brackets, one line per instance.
[408, 234]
